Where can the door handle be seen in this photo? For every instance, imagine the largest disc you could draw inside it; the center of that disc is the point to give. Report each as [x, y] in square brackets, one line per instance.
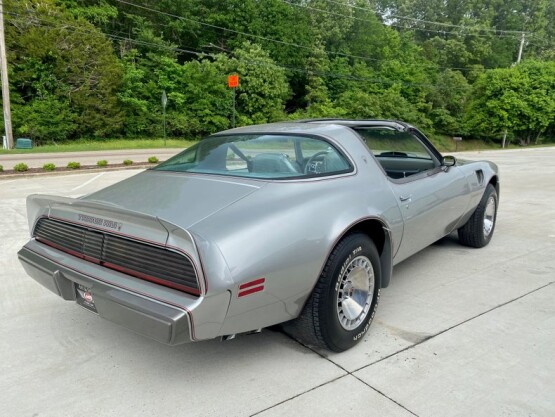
[404, 198]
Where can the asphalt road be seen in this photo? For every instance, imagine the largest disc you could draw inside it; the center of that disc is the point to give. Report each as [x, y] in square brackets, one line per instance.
[61, 159]
[459, 332]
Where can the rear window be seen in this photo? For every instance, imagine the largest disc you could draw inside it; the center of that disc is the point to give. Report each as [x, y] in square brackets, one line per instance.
[260, 156]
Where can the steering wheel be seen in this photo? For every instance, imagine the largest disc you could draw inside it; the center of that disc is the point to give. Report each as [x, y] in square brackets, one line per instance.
[309, 167]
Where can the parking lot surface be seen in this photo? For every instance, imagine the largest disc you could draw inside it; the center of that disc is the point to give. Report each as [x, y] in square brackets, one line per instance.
[459, 331]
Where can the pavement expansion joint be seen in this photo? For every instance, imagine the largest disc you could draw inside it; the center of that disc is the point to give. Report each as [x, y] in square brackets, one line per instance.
[455, 326]
[393, 354]
[386, 396]
[298, 395]
[347, 373]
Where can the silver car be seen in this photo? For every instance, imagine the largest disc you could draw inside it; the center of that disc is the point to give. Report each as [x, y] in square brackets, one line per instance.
[298, 223]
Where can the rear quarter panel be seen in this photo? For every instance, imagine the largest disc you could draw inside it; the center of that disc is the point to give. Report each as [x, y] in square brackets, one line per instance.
[285, 231]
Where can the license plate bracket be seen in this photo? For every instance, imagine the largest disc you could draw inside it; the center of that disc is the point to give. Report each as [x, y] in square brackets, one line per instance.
[84, 298]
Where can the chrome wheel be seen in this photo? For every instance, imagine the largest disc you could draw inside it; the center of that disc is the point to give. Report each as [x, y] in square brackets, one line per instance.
[356, 288]
[489, 216]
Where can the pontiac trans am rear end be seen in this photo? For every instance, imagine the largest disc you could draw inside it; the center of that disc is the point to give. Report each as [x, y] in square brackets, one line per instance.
[294, 223]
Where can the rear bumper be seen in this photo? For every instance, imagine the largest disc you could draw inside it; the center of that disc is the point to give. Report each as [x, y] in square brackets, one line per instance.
[147, 316]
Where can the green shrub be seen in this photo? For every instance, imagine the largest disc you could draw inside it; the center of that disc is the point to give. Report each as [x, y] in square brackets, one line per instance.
[1, 168]
[128, 162]
[49, 166]
[102, 163]
[74, 165]
[21, 167]
[152, 160]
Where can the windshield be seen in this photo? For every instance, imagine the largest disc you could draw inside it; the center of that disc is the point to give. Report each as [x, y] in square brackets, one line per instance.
[260, 156]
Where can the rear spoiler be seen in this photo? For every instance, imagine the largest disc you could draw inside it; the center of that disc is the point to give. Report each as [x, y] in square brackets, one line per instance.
[97, 215]
[113, 219]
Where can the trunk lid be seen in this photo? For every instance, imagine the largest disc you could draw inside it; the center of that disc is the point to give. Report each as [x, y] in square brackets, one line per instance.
[182, 199]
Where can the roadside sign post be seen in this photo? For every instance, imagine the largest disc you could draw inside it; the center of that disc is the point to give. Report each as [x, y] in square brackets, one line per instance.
[164, 102]
[233, 83]
[233, 113]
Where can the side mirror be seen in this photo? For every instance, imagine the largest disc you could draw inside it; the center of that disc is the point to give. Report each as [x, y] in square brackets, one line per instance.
[449, 161]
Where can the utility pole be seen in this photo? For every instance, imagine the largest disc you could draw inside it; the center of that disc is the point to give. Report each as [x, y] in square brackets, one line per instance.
[5, 84]
[522, 39]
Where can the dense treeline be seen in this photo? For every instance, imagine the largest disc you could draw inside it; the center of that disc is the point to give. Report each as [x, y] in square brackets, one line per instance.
[85, 68]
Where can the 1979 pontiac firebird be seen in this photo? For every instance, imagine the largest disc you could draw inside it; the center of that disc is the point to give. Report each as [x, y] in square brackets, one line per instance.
[297, 223]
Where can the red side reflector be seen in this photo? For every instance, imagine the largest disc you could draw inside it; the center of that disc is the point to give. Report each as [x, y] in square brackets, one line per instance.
[251, 287]
[252, 283]
[250, 291]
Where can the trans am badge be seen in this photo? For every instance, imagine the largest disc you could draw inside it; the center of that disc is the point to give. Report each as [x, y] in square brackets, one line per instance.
[97, 221]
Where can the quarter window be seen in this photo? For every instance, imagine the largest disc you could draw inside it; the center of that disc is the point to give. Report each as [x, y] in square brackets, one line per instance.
[400, 154]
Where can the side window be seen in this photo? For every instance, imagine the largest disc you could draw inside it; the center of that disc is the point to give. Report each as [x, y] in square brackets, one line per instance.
[188, 156]
[320, 157]
[400, 154]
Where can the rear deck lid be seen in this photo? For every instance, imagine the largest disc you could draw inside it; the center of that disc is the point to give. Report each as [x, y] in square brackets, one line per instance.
[182, 199]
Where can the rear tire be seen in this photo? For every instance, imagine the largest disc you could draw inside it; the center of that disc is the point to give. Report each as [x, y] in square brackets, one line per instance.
[342, 305]
[478, 230]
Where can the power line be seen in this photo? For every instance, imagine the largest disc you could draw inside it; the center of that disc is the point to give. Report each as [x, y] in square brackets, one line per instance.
[388, 16]
[271, 39]
[443, 32]
[49, 24]
[308, 48]
[238, 32]
[252, 62]
[289, 44]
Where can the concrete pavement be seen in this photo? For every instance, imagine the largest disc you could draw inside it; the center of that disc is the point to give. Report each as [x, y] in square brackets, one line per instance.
[459, 332]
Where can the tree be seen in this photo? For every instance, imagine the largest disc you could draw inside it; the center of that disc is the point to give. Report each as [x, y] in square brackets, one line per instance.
[200, 103]
[386, 104]
[318, 102]
[496, 104]
[540, 98]
[48, 118]
[135, 96]
[66, 63]
[448, 98]
[519, 100]
[102, 65]
[480, 29]
[263, 87]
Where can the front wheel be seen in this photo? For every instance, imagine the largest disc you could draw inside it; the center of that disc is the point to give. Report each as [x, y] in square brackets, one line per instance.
[342, 305]
[478, 230]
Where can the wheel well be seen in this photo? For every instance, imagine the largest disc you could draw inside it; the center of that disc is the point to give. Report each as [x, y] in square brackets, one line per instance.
[495, 182]
[374, 229]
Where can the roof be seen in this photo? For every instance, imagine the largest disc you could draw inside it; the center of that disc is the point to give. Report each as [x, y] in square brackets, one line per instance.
[289, 127]
[315, 126]
[395, 124]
